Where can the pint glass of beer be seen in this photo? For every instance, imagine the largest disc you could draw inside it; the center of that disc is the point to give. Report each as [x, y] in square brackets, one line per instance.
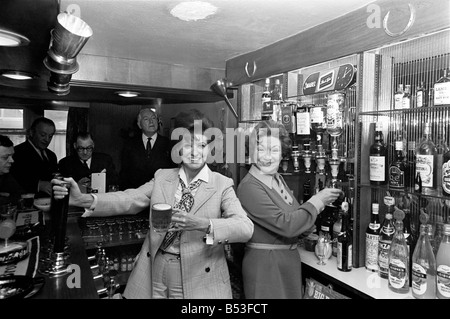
[161, 216]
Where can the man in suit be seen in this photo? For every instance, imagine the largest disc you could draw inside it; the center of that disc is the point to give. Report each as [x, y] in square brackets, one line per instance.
[10, 190]
[86, 161]
[144, 154]
[34, 163]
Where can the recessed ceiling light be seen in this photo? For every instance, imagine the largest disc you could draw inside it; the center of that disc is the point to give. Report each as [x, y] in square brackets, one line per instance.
[193, 10]
[12, 39]
[18, 75]
[127, 93]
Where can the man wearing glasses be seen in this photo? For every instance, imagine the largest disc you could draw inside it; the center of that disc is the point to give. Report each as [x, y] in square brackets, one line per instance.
[85, 161]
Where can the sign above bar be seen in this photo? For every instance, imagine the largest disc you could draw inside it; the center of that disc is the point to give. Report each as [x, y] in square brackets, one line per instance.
[337, 78]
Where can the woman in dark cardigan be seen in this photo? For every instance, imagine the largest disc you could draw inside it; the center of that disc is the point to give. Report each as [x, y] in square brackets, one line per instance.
[271, 267]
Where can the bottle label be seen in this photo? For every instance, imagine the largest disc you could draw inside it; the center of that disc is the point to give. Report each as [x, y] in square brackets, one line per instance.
[425, 167]
[340, 256]
[443, 280]
[383, 257]
[406, 102]
[397, 273]
[303, 123]
[446, 178]
[442, 93]
[419, 98]
[377, 168]
[398, 101]
[374, 226]
[334, 118]
[316, 115]
[372, 252]
[419, 279]
[396, 177]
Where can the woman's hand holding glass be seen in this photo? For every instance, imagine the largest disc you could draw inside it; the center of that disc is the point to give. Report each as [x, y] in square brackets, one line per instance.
[329, 195]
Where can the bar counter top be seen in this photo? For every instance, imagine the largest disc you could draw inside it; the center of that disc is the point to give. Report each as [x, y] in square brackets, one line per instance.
[361, 282]
[57, 287]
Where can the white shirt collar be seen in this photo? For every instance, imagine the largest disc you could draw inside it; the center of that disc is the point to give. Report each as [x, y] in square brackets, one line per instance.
[88, 162]
[37, 150]
[202, 175]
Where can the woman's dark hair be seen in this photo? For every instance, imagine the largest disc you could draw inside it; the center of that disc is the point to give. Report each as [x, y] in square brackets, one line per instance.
[5, 141]
[275, 129]
[187, 120]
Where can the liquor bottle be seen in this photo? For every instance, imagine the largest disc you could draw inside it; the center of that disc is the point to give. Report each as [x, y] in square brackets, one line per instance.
[267, 106]
[406, 99]
[410, 238]
[421, 96]
[423, 267]
[372, 239]
[386, 234]
[345, 243]
[306, 190]
[337, 226]
[442, 89]
[398, 97]
[418, 183]
[443, 266]
[398, 170]
[303, 120]
[318, 115]
[378, 158]
[335, 110]
[426, 160]
[445, 179]
[398, 273]
[326, 223]
[288, 117]
[276, 99]
[411, 163]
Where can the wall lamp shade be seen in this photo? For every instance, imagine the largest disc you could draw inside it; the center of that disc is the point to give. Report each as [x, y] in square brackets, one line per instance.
[67, 39]
[12, 39]
[220, 88]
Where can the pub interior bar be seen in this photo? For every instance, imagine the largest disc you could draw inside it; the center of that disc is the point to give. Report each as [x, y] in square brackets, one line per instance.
[361, 87]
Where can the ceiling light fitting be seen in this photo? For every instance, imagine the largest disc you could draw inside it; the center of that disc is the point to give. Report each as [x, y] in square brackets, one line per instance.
[193, 10]
[127, 93]
[12, 39]
[18, 75]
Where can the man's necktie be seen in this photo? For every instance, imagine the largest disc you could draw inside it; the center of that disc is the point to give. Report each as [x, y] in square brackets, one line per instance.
[44, 156]
[148, 148]
[186, 202]
[85, 164]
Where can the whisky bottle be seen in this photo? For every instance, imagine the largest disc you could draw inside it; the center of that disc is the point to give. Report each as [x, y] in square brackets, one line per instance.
[421, 96]
[445, 179]
[441, 149]
[372, 239]
[406, 99]
[443, 265]
[426, 160]
[398, 97]
[398, 273]
[345, 243]
[398, 169]
[267, 107]
[303, 120]
[442, 89]
[276, 99]
[378, 158]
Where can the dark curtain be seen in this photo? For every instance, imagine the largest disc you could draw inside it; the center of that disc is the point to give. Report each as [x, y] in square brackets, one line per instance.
[77, 121]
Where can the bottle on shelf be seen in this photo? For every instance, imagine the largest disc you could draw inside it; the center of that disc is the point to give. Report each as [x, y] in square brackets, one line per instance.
[398, 170]
[303, 120]
[267, 107]
[411, 163]
[442, 89]
[326, 223]
[441, 149]
[306, 190]
[386, 234]
[418, 183]
[423, 267]
[443, 265]
[445, 177]
[426, 160]
[372, 239]
[406, 99]
[398, 97]
[345, 243]
[378, 158]
[421, 96]
[318, 115]
[276, 99]
[334, 113]
[409, 235]
[398, 273]
[287, 116]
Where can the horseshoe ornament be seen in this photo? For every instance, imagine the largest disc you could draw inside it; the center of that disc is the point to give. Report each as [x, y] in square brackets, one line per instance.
[254, 69]
[412, 18]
